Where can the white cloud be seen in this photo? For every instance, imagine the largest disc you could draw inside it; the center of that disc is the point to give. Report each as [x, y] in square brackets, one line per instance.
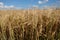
[1, 7]
[11, 6]
[40, 2]
[1, 4]
[47, 0]
[6, 6]
[36, 6]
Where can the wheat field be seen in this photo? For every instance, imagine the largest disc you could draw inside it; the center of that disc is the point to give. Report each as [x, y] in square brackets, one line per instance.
[30, 24]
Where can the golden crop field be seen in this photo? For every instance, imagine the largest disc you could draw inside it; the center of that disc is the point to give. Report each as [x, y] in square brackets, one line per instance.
[30, 24]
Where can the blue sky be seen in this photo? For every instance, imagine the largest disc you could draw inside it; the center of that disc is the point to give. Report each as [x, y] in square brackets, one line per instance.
[28, 3]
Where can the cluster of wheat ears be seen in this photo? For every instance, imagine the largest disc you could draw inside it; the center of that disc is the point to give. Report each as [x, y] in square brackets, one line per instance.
[30, 24]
